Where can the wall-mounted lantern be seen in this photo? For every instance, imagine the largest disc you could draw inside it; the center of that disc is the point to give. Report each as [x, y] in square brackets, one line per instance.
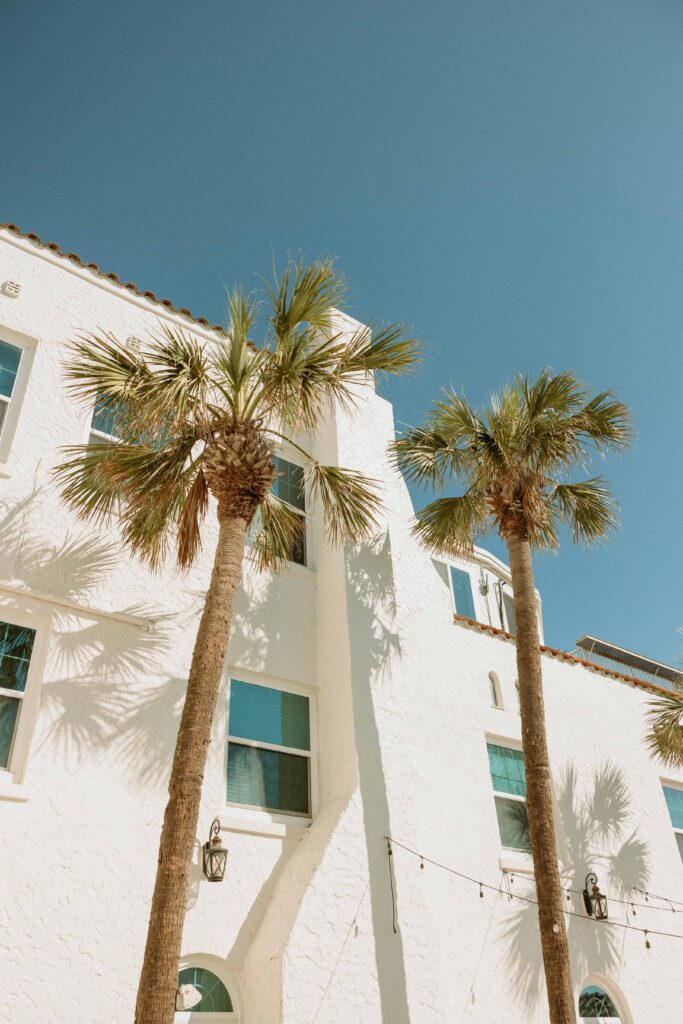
[215, 854]
[594, 901]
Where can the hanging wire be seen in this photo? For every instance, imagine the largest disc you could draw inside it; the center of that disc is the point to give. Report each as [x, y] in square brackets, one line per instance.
[516, 896]
[390, 854]
[627, 903]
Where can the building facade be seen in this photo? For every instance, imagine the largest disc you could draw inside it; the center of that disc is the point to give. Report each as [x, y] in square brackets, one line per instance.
[369, 705]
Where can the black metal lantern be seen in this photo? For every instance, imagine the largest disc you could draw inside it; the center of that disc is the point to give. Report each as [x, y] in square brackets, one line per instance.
[594, 901]
[215, 854]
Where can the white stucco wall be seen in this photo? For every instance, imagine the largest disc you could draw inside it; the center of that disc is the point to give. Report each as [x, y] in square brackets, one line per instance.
[302, 925]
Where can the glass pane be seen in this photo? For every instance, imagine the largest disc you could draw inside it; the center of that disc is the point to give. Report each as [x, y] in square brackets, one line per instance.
[513, 823]
[215, 996]
[9, 708]
[16, 644]
[272, 716]
[268, 779]
[462, 592]
[10, 357]
[593, 1002]
[674, 801]
[507, 769]
[104, 418]
[289, 485]
[509, 605]
[679, 840]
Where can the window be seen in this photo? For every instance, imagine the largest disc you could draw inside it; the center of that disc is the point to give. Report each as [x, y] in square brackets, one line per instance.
[509, 606]
[594, 1002]
[509, 789]
[215, 996]
[10, 357]
[16, 646]
[102, 427]
[289, 487]
[461, 585]
[674, 801]
[496, 691]
[269, 749]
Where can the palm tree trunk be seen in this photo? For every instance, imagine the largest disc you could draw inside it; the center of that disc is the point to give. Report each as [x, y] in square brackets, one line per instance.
[539, 801]
[159, 976]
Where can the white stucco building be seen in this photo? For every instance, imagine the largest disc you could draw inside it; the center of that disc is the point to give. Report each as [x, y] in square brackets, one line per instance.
[361, 708]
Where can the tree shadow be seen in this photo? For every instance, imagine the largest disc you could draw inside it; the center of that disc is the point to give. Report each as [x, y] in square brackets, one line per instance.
[595, 829]
[95, 700]
[375, 646]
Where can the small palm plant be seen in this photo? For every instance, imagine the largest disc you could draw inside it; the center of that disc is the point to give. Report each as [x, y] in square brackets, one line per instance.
[665, 738]
[198, 421]
[513, 458]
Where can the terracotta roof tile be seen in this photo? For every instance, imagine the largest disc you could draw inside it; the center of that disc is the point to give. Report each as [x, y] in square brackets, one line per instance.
[563, 656]
[130, 285]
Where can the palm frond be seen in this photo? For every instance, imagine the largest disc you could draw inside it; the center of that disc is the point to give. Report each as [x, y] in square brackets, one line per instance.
[665, 738]
[424, 456]
[450, 525]
[349, 501]
[560, 394]
[304, 295]
[605, 421]
[86, 483]
[386, 349]
[274, 534]
[588, 508]
[192, 514]
[97, 365]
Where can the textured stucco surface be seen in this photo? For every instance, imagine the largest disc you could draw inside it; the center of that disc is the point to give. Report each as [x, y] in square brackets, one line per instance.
[302, 926]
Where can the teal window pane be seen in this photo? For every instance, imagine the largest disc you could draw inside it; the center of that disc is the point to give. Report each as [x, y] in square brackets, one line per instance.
[9, 709]
[507, 769]
[10, 357]
[16, 644]
[462, 592]
[289, 483]
[215, 996]
[594, 1002]
[268, 779]
[513, 824]
[268, 715]
[104, 418]
[674, 801]
[679, 841]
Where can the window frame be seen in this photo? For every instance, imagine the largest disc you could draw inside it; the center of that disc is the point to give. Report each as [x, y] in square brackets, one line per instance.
[496, 691]
[678, 831]
[458, 568]
[254, 811]
[12, 776]
[507, 744]
[286, 455]
[216, 966]
[13, 404]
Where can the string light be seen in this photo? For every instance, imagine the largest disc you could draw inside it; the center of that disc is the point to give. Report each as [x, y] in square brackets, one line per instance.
[525, 899]
[628, 903]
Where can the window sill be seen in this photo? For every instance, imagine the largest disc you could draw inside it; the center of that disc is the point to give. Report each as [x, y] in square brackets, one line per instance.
[517, 862]
[17, 791]
[261, 823]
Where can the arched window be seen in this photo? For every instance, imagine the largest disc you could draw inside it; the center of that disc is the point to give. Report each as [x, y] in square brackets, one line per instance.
[496, 691]
[203, 996]
[595, 1003]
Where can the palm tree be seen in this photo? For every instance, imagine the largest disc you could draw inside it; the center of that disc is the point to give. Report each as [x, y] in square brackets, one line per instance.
[665, 738]
[198, 421]
[513, 458]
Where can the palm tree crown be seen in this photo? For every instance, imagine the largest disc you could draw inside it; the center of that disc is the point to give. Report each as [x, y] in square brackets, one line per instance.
[192, 419]
[513, 457]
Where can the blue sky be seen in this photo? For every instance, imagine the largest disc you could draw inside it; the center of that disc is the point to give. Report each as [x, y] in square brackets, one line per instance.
[505, 177]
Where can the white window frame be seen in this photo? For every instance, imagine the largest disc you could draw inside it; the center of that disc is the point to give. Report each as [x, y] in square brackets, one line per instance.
[254, 814]
[12, 777]
[452, 565]
[671, 784]
[287, 455]
[217, 966]
[94, 432]
[499, 741]
[14, 403]
[496, 692]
